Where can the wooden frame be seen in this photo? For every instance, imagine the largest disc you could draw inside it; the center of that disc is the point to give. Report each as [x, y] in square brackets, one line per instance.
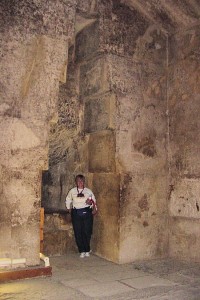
[25, 273]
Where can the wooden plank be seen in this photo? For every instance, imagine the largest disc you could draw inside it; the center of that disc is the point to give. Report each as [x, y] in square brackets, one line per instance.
[41, 229]
[25, 273]
[41, 246]
[41, 217]
[41, 235]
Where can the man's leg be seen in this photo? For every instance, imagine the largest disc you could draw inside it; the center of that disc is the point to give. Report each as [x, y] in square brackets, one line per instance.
[87, 231]
[77, 223]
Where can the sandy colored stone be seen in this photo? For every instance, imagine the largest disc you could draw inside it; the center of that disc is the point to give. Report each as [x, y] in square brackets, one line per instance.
[106, 229]
[184, 200]
[184, 239]
[100, 113]
[94, 76]
[101, 147]
[141, 144]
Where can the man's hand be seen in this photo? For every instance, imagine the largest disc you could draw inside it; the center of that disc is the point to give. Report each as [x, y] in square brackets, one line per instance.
[94, 210]
[88, 201]
[69, 210]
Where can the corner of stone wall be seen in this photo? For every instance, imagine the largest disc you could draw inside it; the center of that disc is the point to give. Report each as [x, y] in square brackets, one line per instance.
[184, 91]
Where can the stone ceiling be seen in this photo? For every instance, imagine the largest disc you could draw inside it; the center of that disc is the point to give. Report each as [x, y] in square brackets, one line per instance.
[170, 15]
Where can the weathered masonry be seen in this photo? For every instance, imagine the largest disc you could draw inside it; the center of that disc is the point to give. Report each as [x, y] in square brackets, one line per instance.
[110, 89]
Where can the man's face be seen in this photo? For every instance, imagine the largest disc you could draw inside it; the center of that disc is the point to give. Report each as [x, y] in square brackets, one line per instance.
[80, 183]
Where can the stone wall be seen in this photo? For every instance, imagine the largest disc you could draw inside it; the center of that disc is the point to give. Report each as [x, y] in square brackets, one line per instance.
[184, 137]
[140, 83]
[115, 132]
[125, 115]
[58, 234]
[123, 86]
[35, 39]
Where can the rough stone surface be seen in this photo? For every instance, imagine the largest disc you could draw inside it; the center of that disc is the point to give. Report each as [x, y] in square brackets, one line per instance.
[58, 234]
[120, 28]
[143, 219]
[169, 16]
[99, 113]
[184, 91]
[184, 201]
[125, 115]
[184, 238]
[87, 42]
[102, 152]
[68, 149]
[141, 148]
[117, 79]
[106, 227]
[94, 76]
[33, 60]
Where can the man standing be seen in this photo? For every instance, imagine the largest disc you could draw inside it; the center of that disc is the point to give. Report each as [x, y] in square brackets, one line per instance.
[81, 203]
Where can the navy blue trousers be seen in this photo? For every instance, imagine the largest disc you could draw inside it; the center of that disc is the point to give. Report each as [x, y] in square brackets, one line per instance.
[82, 226]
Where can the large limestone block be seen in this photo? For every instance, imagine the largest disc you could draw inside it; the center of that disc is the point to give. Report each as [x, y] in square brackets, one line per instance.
[184, 134]
[152, 47]
[184, 121]
[99, 113]
[22, 204]
[34, 59]
[184, 239]
[141, 143]
[106, 229]
[184, 201]
[184, 103]
[143, 217]
[16, 135]
[101, 152]
[141, 115]
[120, 27]
[58, 234]
[106, 238]
[57, 243]
[106, 188]
[94, 77]
[145, 80]
[143, 197]
[87, 42]
[28, 18]
[45, 62]
[184, 44]
[31, 91]
[22, 194]
[22, 145]
[125, 76]
[116, 32]
[141, 241]
[87, 6]
[26, 242]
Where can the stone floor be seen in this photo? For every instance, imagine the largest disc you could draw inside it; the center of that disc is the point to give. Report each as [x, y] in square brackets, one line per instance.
[96, 278]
